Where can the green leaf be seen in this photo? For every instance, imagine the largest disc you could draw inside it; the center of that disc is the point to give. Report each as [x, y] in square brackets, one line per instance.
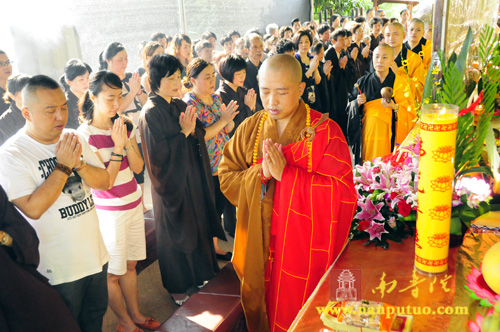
[456, 226]
[485, 303]
[462, 58]
[467, 215]
[487, 39]
[478, 169]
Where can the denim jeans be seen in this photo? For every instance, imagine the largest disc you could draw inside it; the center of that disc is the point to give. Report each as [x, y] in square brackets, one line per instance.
[87, 299]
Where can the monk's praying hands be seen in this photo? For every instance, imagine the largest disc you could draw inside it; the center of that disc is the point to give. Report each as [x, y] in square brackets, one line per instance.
[274, 159]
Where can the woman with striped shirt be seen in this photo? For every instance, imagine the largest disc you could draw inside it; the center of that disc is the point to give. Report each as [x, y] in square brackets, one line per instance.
[119, 208]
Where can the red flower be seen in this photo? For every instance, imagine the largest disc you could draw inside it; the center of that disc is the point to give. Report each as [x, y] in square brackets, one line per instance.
[393, 195]
[404, 208]
[363, 225]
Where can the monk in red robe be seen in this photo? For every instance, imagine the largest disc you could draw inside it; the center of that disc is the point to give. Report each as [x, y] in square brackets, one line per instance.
[288, 170]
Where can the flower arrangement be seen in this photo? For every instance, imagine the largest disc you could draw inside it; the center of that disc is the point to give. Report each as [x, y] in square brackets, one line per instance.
[387, 190]
[387, 197]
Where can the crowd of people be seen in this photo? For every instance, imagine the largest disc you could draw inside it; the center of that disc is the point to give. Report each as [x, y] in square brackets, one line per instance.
[211, 128]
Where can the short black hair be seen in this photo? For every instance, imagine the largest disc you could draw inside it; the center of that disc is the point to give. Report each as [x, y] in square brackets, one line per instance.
[384, 21]
[285, 45]
[295, 20]
[317, 46]
[207, 34]
[394, 19]
[404, 10]
[157, 36]
[333, 18]
[369, 10]
[301, 33]
[201, 45]
[343, 19]
[348, 33]
[360, 19]
[39, 82]
[323, 28]
[339, 33]
[374, 21]
[234, 33]
[160, 66]
[230, 65]
[226, 39]
[356, 27]
[380, 10]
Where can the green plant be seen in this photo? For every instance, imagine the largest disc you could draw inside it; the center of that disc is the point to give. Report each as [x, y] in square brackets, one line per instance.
[341, 7]
[447, 85]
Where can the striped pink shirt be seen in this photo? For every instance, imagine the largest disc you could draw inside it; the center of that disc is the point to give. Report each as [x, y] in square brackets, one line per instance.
[125, 193]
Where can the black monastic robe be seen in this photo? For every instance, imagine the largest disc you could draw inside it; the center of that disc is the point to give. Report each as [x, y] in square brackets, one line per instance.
[341, 81]
[10, 122]
[183, 195]
[27, 300]
[227, 95]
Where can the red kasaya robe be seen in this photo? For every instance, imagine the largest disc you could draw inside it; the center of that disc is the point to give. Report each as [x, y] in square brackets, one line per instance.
[285, 242]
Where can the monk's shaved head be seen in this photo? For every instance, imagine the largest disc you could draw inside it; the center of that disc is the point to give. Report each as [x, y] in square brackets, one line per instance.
[396, 25]
[386, 47]
[283, 64]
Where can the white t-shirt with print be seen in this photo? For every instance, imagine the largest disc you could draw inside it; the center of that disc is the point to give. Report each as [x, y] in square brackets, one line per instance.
[71, 245]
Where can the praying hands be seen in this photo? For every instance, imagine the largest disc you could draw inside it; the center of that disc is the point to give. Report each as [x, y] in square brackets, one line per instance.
[274, 161]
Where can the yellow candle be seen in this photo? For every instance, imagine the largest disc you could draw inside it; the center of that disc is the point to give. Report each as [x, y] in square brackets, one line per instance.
[438, 130]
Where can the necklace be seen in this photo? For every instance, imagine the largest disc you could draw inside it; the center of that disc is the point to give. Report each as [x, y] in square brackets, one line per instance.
[307, 136]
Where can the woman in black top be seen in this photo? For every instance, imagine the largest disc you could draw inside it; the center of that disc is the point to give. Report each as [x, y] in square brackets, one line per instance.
[181, 183]
[364, 57]
[12, 120]
[75, 82]
[233, 70]
[310, 74]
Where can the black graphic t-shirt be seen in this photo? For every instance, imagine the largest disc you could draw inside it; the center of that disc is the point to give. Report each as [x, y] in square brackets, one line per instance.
[71, 245]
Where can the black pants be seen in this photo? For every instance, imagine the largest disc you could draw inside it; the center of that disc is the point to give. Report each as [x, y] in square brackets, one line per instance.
[224, 207]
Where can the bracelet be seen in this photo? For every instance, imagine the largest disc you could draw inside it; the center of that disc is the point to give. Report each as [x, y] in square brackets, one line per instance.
[116, 154]
[6, 239]
[82, 165]
[63, 168]
[120, 160]
[263, 179]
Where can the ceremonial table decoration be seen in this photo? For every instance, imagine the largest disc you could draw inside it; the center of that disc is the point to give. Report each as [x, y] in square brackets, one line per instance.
[438, 129]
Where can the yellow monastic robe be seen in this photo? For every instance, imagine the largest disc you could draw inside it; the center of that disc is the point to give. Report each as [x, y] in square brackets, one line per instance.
[376, 131]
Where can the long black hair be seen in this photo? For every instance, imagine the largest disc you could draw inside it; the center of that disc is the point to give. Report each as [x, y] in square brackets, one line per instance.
[109, 53]
[72, 70]
[97, 81]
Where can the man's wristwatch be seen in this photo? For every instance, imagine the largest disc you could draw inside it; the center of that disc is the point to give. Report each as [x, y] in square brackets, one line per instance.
[82, 164]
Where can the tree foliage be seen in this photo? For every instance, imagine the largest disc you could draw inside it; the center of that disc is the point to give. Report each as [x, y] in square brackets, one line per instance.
[341, 7]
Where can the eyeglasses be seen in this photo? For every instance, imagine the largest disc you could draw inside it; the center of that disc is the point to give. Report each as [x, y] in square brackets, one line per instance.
[6, 63]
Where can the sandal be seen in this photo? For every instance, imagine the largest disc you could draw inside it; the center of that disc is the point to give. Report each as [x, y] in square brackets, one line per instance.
[149, 324]
[180, 302]
[119, 328]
